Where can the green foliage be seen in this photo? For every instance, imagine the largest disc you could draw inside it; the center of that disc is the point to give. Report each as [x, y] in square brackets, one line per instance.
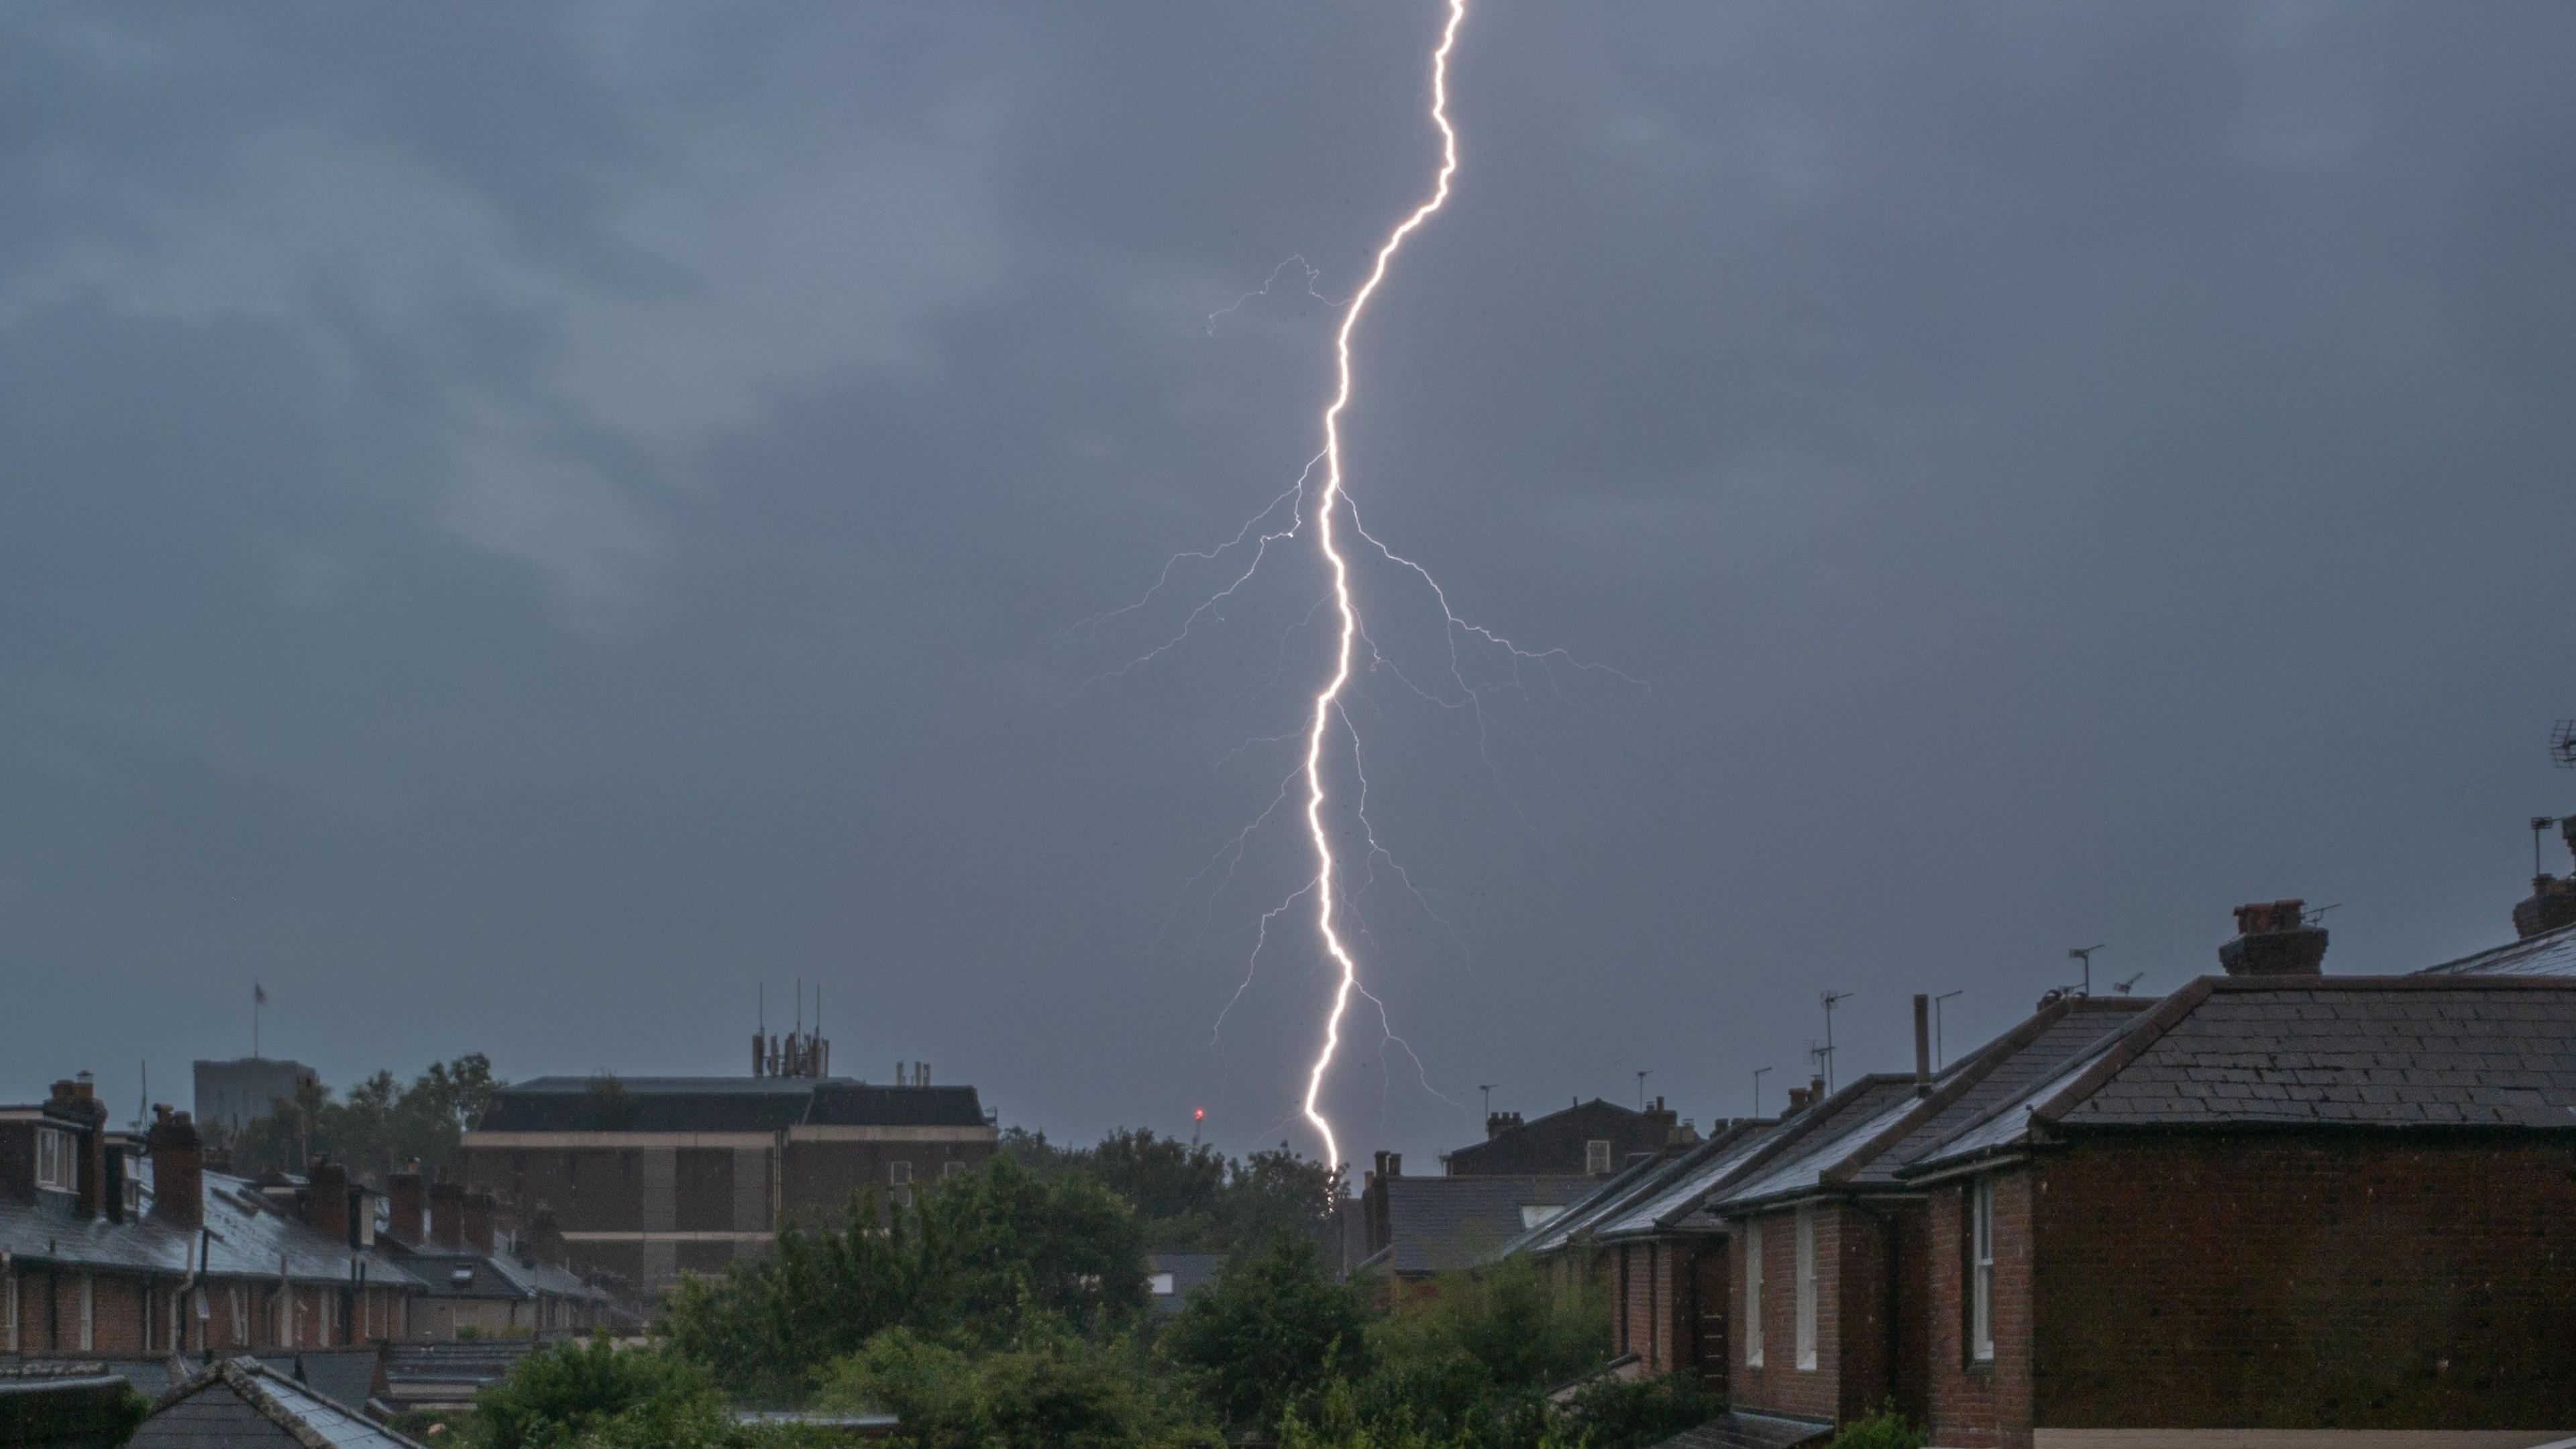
[973, 1262]
[596, 1393]
[380, 1127]
[1886, 1429]
[1616, 1415]
[1054, 1389]
[1191, 1198]
[1270, 1333]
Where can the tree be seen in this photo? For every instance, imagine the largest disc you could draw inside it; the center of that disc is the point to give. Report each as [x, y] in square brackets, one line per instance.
[980, 1260]
[380, 1128]
[588, 1393]
[1269, 1333]
[1056, 1389]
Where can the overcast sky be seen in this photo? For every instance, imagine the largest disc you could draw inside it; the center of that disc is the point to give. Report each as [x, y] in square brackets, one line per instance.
[519, 524]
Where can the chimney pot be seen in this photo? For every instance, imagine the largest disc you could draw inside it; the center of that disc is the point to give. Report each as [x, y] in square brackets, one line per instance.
[2274, 939]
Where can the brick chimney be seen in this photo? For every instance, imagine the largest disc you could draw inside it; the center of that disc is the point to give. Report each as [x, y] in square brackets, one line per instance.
[326, 1201]
[178, 1168]
[1498, 1123]
[447, 1214]
[478, 1220]
[1797, 1099]
[2273, 939]
[2553, 899]
[402, 1192]
[77, 1100]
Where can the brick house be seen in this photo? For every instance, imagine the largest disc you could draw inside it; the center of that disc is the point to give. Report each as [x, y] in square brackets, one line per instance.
[1588, 1139]
[477, 1280]
[1416, 1228]
[2334, 1206]
[651, 1176]
[102, 1253]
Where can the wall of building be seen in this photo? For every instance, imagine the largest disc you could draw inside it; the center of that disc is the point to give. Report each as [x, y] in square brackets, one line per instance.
[1975, 1405]
[1777, 1385]
[2299, 1282]
[1554, 1144]
[1656, 1313]
[131, 1315]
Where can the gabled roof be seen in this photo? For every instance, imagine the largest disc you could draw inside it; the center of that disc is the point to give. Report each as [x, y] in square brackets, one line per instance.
[250, 1238]
[1613, 1194]
[239, 1402]
[723, 1104]
[1845, 1129]
[2320, 1052]
[2551, 953]
[1435, 1224]
[1682, 1192]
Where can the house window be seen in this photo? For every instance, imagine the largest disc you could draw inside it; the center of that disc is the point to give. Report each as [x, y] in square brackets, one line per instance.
[951, 1168]
[1807, 1288]
[1596, 1156]
[89, 1313]
[1159, 1284]
[133, 1191]
[1753, 1295]
[241, 1317]
[1981, 1269]
[899, 1174]
[54, 1160]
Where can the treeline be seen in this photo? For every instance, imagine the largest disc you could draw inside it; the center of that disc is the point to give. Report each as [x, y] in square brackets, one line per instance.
[380, 1127]
[1007, 1308]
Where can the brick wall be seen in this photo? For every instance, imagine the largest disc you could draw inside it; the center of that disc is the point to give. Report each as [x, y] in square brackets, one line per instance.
[1976, 1405]
[1778, 1385]
[2292, 1282]
[1880, 1317]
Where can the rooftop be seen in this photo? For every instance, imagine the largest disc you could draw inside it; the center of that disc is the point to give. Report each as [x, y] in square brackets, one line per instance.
[722, 1104]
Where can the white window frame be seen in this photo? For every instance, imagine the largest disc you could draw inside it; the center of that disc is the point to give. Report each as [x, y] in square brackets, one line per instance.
[241, 1317]
[56, 1164]
[1596, 1156]
[89, 1313]
[899, 1181]
[1981, 1268]
[1753, 1293]
[1807, 1289]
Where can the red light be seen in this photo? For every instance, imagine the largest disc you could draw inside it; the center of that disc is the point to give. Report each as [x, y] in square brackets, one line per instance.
[1198, 1114]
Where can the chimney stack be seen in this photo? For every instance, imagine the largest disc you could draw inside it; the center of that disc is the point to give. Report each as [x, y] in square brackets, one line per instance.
[1797, 1099]
[402, 1194]
[446, 1214]
[1922, 1045]
[326, 1200]
[2274, 939]
[478, 1220]
[178, 1168]
[2553, 899]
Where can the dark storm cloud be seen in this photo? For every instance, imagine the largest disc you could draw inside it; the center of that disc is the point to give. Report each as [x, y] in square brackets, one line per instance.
[522, 525]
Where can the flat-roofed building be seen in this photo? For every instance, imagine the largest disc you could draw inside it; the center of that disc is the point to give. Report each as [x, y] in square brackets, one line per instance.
[649, 1176]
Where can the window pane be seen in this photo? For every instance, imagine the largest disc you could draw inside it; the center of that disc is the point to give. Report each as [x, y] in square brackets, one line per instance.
[1753, 1295]
[1806, 1288]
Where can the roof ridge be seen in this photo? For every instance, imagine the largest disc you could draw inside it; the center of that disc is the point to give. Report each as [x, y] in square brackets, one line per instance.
[2131, 1044]
[1954, 1086]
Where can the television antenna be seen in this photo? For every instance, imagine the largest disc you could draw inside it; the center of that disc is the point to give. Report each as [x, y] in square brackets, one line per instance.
[2562, 745]
[1830, 997]
[2121, 988]
[2085, 955]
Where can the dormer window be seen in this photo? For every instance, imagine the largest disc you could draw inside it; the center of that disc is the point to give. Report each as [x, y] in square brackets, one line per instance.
[55, 1160]
[1596, 1156]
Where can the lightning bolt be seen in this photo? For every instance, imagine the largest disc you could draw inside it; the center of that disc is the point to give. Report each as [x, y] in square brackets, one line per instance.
[1328, 699]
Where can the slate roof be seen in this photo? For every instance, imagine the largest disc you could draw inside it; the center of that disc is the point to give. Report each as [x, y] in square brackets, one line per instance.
[1844, 1129]
[2323, 1052]
[250, 1239]
[1700, 1174]
[418, 1374]
[725, 1104]
[1613, 1194]
[240, 1402]
[1436, 1224]
[2551, 953]
[2086, 1023]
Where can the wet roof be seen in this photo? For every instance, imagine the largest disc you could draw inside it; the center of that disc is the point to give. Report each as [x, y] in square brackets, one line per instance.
[1435, 1224]
[250, 1238]
[2393, 1052]
[1678, 1193]
[2551, 953]
[1852, 1119]
[240, 1401]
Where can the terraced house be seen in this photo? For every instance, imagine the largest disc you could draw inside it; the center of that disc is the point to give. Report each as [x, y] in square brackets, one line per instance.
[119, 1249]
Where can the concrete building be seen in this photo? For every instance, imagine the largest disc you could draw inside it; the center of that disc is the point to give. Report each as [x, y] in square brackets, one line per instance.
[650, 1176]
[230, 1095]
